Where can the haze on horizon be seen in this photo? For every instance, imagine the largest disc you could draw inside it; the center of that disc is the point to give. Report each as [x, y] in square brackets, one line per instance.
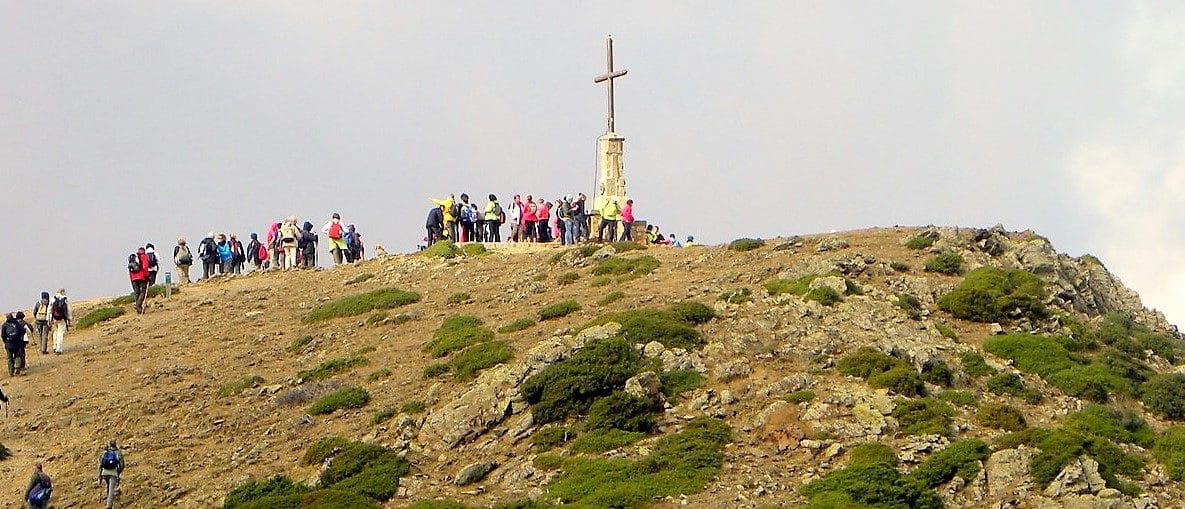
[131, 122]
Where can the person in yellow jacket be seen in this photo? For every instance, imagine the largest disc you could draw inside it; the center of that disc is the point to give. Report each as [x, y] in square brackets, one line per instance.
[450, 216]
[610, 214]
[494, 215]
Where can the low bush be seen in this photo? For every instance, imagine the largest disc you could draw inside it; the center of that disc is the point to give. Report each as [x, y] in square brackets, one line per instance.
[234, 388]
[378, 374]
[1000, 416]
[631, 267]
[1165, 395]
[475, 249]
[611, 298]
[254, 492]
[899, 266]
[459, 298]
[376, 317]
[945, 263]
[824, 295]
[694, 312]
[364, 469]
[961, 398]
[475, 358]
[455, 333]
[558, 310]
[548, 462]
[738, 296]
[567, 278]
[745, 244]
[435, 370]
[298, 344]
[1059, 446]
[1047, 358]
[153, 292]
[1169, 450]
[360, 278]
[872, 453]
[400, 318]
[678, 381]
[902, 380]
[549, 438]
[990, 294]
[442, 249]
[414, 406]
[517, 325]
[802, 396]
[604, 440]
[946, 331]
[961, 459]
[867, 362]
[798, 286]
[342, 399]
[910, 304]
[354, 305]
[622, 411]
[383, 415]
[874, 482]
[975, 365]
[570, 386]
[1126, 335]
[924, 416]
[627, 246]
[937, 372]
[1118, 425]
[332, 367]
[646, 325]
[919, 242]
[99, 315]
[600, 281]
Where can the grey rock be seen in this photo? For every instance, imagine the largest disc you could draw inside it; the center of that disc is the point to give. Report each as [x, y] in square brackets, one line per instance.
[996, 329]
[653, 349]
[474, 473]
[732, 370]
[604, 252]
[1079, 476]
[831, 243]
[646, 386]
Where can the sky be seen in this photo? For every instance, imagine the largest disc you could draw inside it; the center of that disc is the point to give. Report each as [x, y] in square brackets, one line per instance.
[130, 122]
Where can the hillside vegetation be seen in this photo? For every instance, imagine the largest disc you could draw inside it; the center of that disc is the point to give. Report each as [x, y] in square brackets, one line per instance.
[894, 367]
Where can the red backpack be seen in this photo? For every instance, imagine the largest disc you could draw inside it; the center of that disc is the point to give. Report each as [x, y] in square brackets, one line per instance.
[262, 253]
[335, 231]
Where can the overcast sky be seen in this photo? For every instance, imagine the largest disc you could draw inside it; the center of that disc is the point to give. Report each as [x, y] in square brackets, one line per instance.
[127, 122]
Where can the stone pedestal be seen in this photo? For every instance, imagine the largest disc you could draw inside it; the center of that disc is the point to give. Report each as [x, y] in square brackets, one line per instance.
[610, 170]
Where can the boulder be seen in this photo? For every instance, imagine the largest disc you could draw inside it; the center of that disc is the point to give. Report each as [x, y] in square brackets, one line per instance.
[646, 386]
[831, 243]
[833, 282]
[1079, 476]
[474, 473]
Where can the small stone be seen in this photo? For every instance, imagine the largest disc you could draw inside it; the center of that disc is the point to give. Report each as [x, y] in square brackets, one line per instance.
[997, 329]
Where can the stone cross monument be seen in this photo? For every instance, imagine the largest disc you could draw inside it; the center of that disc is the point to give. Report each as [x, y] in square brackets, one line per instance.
[610, 176]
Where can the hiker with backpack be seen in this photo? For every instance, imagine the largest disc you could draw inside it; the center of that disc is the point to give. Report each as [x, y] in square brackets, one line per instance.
[336, 232]
[226, 257]
[435, 224]
[153, 263]
[307, 246]
[580, 230]
[41, 314]
[237, 254]
[543, 221]
[59, 311]
[208, 252]
[13, 333]
[183, 259]
[253, 252]
[610, 213]
[564, 207]
[39, 490]
[465, 218]
[627, 221]
[494, 216]
[138, 273]
[110, 468]
[289, 233]
[357, 252]
[477, 221]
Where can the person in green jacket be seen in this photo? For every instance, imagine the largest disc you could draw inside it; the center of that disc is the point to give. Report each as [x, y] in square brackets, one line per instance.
[610, 213]
[494, 215]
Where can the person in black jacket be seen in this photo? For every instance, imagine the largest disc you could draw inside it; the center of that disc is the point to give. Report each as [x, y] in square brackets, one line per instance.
[435, 224]
[253, 251]
[13, 332]
[307, 245]
[208, 252]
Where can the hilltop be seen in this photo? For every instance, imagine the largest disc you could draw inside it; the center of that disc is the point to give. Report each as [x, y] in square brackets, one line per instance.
[1052, 393]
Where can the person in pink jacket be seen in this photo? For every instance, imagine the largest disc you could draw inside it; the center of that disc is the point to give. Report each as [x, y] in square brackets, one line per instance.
[627, 221]
[542, 220]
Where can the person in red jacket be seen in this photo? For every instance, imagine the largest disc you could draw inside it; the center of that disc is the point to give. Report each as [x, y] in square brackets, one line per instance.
[139, 278]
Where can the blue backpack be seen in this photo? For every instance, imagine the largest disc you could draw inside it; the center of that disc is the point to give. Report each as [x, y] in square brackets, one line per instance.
[110, 460]
[40, 494]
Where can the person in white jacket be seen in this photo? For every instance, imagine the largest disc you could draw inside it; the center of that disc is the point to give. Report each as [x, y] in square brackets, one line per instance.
[335, 231]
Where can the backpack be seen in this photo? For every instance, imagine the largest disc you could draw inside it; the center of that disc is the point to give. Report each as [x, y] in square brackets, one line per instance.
[456, 211]
[184, 257]
[40, 494]
[110, 460]
[499, 212]
[11, 331]
[335, 231]
[58, 309]
[152, 262]
[134, 263]
[262, 253]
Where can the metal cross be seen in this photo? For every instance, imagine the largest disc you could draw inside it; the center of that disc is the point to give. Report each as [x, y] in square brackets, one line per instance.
[609, 75]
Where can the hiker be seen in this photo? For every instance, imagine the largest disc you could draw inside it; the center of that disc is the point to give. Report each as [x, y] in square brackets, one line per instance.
[59, 311]
[273, 246]
[477, 220]
[39, 490]
[182, 258]
[530, 217]
[466, 219]
[452, 218]
[237, 254]
[110, 468]
[580, 219]
[610, 213]
[288, 235]
[41, 315]
[307, 246]
[253, 252]
[494, 216]
[138, 273]
[434, 224]
[690, 242]
[336, 233]
[542, 221]
[567, 225]
[153, 263]
[514, 216]
[674, 242]
[208, 252]
[627, 221]
[13, 332]
[354, 241]
[226, 257]
[557, 222]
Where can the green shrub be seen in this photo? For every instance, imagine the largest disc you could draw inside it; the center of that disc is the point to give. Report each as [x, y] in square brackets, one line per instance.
[946, 263]
[919, 242]
[990, 294]
[414, 406]
[603, 440]
[872, 453]
[738, 296]
[870, 485]
[867, 362]
[355, 305]
[475, 249]
[400, 318]
[910, 304]
[1000, 416]
[99, 315]
[851, 288]
[1006, 383]
[234, 388]
[646, 325]
[633, 267]
[549, 438]
[558, 310]
[443, 249]
[621, 411]
[517, 325]
[548, 462]
[332, 367]
[901, 380]
[1050, 360]
[365, 469]
[435, 370]
[342, 399]
[802, 396]
[1125, 334]
[254, 491]
[360, 278]
[961, 398]
[611, 298]
[1059, 446]
[383, 415]
[600, 281]
[824, 295]
[298, 344]
[478, 357]
[1169, 450]
[937, 373]
[925, 416]
[438, 504]
[679, 381]
[626, 246]
[567, 278]
[455, 333]
[378, 374]
[798, 286]
[459, 298]
[946, 331]
[745, 244]
[322, 449]
[694, 312]
[1118, 425]
[899, 266]
[571, 385]
[376, 317]
[960, 458]
[153, 292]
[1165, 395]
[975, 365]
